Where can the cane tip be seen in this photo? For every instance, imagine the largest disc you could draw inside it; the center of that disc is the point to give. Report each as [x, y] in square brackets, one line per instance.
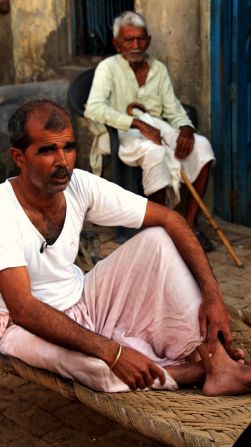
[241, 265]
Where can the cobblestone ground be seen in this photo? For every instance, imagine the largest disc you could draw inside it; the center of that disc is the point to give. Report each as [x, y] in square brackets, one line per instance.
[33, 416]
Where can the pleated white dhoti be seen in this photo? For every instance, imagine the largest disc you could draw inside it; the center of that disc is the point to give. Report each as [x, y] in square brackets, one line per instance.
[161, 169]
[143, 296]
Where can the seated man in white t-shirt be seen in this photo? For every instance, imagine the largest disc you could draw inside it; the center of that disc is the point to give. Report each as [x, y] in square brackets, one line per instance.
[143, 317]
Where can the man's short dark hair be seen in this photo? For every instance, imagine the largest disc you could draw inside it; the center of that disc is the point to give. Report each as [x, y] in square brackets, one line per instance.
[52, 115]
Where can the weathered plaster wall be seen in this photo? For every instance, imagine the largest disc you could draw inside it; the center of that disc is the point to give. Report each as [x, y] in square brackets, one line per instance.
[6, 45]
[180, 39]
[36, 28]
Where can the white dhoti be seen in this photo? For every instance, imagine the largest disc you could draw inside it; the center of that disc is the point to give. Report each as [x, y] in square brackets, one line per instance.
[161, 169]
[143, 296]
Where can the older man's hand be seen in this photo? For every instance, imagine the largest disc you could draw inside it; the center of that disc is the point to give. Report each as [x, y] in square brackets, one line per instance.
[185, 142]
[147, 130]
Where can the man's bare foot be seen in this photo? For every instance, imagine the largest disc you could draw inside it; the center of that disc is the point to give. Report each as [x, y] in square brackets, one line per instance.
[235, 353]
[224, 376]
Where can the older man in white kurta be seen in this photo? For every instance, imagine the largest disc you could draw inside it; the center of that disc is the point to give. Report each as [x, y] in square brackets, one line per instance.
[114, 87]
[160, 142]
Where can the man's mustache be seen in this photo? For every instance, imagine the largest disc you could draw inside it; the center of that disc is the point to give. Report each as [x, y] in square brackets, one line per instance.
[137, 51]
[61, 172]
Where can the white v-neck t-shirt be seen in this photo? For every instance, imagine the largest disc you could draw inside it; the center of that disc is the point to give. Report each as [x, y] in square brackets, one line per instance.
[55, 279]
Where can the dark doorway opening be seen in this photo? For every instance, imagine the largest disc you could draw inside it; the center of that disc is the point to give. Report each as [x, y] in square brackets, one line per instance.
[92, 22]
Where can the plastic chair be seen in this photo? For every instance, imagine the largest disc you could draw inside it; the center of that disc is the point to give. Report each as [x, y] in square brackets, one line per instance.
[127, 177]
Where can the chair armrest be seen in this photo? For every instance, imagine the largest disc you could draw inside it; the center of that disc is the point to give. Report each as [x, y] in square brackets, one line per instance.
[192, 114]
[114, 140]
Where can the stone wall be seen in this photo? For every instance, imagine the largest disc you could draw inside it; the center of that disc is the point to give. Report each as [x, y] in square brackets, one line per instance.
[33, 40]
[6, 46]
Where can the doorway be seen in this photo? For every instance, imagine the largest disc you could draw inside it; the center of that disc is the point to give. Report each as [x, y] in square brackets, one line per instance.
[231, 108]
[92, 22]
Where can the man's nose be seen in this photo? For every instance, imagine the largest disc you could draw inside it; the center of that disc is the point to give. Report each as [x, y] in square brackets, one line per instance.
[135, 43]
[61, 159]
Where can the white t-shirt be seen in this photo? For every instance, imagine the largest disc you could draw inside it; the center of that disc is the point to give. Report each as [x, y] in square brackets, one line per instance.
[55, 279]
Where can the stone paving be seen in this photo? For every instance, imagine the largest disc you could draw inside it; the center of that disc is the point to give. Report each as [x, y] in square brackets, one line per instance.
[33, 416]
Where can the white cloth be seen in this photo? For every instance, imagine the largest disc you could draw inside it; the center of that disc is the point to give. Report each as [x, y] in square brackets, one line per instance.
[161, 169]
[134, 296]
[55, 280]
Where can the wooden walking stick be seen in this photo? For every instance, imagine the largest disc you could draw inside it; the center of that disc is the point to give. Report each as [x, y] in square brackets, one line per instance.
[210, 219]
[197, 198]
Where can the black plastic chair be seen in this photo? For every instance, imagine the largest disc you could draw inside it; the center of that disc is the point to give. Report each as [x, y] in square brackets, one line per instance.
[127, 177]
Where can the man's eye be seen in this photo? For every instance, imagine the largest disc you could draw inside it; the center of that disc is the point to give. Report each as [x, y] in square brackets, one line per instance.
[70, 146]
[69, 149]
[46, 150]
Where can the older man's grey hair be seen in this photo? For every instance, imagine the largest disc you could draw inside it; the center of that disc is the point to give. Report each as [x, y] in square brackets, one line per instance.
[128, 18]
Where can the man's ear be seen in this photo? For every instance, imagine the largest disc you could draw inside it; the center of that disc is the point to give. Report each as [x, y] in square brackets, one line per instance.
[17, 156]
[116, 44]
[148, 41]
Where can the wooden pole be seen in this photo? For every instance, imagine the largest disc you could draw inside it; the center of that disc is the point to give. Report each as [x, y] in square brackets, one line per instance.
[210, 219]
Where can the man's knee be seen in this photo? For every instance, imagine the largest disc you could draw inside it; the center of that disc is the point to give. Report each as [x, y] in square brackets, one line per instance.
[202, 143]
[155, 238]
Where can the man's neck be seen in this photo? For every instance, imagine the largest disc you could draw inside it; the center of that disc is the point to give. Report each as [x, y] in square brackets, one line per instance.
[141, 70]
[33, 198]
[45, 211]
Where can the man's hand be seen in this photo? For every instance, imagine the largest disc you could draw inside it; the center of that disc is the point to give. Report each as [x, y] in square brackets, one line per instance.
[185, 142]
[147, 130]
[214, 317]
[136, 370]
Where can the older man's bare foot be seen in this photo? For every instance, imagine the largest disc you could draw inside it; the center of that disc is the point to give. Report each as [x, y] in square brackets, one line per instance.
[224, 376]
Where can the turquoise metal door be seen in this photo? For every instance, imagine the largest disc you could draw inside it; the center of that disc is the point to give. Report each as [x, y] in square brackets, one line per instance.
[241, 113]
[231, 108]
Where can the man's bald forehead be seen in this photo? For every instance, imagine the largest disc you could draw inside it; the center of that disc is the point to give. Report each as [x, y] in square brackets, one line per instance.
[51, 117]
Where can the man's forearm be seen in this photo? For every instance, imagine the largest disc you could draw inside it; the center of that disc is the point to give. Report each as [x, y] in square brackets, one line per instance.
[56, 327]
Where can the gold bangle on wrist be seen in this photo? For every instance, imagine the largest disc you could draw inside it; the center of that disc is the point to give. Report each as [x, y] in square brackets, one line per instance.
[117, 357]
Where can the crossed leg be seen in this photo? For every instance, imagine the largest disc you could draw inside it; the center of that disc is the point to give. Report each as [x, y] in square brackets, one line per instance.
[220, 374]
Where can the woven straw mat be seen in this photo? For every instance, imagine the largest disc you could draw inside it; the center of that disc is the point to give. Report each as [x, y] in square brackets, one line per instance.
[180, 418]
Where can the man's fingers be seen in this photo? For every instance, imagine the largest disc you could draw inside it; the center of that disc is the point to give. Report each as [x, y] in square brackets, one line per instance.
[150, 132]
[212, 340]
[184, 148]
[234, 352]
[157, 372]
[227, 335]
[203, 327]
[141, 381]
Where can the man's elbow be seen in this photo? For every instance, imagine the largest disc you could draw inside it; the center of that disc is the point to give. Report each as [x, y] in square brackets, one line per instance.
[95, 113]
[90, 112]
